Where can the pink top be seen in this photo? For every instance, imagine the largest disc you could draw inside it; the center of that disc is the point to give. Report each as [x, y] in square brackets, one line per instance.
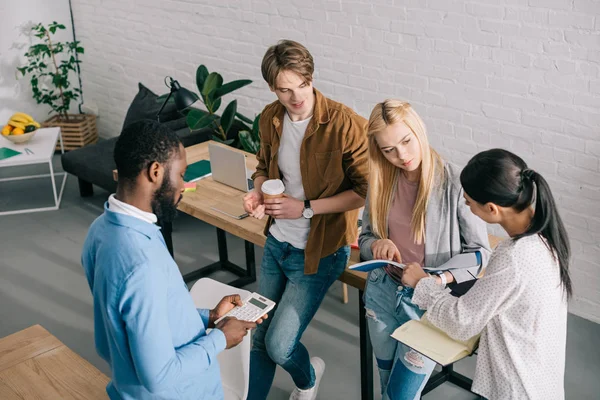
[399, 230]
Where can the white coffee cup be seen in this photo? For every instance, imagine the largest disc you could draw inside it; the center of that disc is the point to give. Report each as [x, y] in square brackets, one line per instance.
[273, 188]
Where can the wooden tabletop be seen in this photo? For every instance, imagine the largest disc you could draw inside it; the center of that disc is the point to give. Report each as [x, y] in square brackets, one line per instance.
[36, 365]
[211, 194]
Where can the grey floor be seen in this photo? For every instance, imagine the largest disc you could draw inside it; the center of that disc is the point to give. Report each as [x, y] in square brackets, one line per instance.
[42, 282]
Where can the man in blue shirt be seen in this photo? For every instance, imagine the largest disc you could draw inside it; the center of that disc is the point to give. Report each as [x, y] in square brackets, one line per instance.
[145, 323]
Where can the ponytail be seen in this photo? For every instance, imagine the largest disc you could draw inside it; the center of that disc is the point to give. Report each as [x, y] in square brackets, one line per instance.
[501, 177]
[547, 222]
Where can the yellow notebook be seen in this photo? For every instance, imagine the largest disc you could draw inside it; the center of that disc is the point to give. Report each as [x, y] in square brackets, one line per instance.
[433, 343]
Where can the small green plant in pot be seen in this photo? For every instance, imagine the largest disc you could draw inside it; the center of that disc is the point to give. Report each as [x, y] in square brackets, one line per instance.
[49, 64]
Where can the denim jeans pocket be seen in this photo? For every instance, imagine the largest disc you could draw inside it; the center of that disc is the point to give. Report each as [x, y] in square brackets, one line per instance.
[375, 275]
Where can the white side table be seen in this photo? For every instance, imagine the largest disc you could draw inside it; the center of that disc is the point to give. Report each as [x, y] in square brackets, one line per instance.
[41, 149]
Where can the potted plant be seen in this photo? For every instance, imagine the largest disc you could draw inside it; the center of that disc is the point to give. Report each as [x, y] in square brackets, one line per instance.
[250, 138]
[49, 65]
[212, 89]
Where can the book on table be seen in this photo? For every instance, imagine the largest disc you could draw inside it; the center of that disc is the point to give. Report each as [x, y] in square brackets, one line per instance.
[196, 171]
[5, 153]
[423, 337]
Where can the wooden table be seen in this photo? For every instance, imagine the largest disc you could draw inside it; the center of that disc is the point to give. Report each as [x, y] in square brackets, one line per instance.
[36, 365]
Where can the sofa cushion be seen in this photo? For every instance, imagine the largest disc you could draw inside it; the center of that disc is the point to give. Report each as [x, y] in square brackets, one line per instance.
[145, 105]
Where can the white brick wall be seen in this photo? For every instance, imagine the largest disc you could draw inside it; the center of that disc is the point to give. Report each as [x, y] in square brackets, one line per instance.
[18, 17]
[481, 73]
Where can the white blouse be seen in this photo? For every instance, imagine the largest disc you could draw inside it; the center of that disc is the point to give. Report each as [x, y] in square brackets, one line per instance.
[520, 308]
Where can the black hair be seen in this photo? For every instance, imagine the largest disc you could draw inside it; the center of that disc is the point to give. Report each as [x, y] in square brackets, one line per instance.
[503, 178]
[141, 143]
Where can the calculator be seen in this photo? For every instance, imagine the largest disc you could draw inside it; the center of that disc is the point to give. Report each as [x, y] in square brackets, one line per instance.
[255, 306]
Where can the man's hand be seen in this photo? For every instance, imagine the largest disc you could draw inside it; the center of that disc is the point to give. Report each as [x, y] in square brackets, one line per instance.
[385, 249]
[253, 204]
[412, 274]
[285, 207]
[226, 304]
[234, 330]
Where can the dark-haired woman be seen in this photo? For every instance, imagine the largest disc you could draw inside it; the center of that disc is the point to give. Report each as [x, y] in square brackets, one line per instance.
[520, 304]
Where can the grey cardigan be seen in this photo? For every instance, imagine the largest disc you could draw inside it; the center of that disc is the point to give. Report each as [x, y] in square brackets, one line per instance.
[450, 228]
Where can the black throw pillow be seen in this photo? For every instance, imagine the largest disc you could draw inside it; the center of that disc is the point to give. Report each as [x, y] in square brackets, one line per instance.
[145, 106]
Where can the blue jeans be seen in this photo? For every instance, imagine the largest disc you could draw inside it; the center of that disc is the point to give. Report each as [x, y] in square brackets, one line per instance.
[277, 340]
[403, 372]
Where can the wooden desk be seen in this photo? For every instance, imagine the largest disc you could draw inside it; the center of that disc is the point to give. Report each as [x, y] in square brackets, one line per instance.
[36, 365]
[210, 194]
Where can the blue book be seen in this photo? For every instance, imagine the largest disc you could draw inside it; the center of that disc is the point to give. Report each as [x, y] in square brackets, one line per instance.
[367, 266]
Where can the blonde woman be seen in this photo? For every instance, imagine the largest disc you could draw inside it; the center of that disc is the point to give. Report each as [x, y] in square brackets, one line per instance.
[415, 213]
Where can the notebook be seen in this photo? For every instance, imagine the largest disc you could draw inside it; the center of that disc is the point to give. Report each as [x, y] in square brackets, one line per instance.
[5, 153]
[197, 171]
[370, 265]
[235, 211]
[433, 343]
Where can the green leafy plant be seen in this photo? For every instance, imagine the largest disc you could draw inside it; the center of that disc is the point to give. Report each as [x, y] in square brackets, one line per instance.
[212, 89]
[250, 139]
[49, 65]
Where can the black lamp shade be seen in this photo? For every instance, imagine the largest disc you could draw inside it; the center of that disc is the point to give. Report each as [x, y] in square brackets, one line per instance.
[184, 98]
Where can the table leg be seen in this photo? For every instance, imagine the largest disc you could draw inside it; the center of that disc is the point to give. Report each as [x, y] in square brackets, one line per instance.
[447, 374]
[53, 183]
[246, 276]
[366, 352]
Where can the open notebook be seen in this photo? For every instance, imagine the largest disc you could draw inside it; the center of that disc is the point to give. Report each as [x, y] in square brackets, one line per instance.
[428, 340]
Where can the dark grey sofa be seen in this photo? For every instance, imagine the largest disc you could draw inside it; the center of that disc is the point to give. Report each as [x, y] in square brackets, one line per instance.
[93, 164]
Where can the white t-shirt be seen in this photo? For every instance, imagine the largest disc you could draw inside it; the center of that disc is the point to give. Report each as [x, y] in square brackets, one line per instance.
[292, 231]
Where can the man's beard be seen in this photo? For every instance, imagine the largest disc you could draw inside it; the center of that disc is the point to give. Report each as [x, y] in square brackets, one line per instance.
[162, 201]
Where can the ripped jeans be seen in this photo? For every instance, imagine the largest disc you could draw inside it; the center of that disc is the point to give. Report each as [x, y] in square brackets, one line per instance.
[403, 372]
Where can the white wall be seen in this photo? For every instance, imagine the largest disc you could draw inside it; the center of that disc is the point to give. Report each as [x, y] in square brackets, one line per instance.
[523, 75]
[15, 94]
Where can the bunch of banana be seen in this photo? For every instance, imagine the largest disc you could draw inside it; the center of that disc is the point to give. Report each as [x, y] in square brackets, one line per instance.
[19, 124]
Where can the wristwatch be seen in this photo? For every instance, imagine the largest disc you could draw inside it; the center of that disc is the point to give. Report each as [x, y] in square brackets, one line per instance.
[307, 212]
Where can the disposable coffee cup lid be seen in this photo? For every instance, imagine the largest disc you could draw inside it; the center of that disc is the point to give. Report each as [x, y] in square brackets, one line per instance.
[273, 187]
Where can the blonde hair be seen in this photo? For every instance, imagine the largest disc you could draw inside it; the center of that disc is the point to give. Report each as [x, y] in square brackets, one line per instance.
[383, 174]
[287, 55]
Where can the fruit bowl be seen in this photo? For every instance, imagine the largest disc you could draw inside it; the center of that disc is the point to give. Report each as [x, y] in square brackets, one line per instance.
[22, 138]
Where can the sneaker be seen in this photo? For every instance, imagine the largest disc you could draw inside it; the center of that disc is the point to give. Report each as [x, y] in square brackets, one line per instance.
[311, 394]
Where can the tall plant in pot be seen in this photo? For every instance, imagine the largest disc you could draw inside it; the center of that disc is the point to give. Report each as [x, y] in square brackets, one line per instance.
[50, 64]
[212, 89]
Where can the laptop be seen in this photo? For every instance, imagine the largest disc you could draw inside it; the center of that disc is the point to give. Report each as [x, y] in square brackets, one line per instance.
[229, 167]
